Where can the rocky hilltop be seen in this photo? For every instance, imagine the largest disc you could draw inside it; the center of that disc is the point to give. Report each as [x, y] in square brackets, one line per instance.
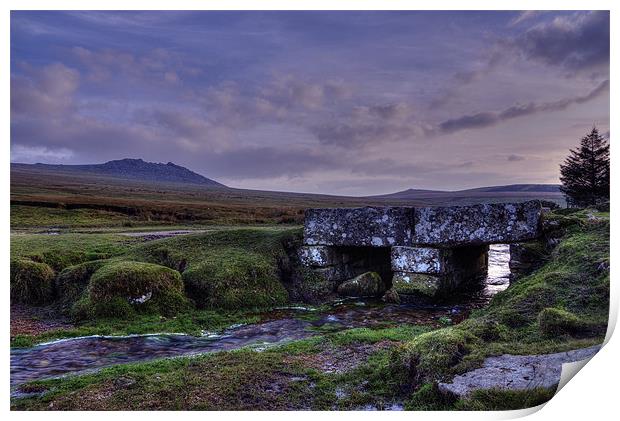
[134, 169]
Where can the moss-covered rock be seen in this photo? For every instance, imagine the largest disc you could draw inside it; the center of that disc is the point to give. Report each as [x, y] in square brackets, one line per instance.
[391, 296]
[431, 356]
[368, 284]
[556, 321]
[238, 279]
[31, 282]
[417, 285]
[118, 289]
[308, 286]
[72, 281]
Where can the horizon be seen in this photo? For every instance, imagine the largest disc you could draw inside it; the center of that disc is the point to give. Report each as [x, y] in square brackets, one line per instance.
[297, 192]
[338, 103]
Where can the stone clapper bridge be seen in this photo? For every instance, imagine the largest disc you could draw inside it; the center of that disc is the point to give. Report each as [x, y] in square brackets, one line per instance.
[422, 252]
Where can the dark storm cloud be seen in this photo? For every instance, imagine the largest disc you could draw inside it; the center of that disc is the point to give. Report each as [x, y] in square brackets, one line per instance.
[486, 119]
[577, 42]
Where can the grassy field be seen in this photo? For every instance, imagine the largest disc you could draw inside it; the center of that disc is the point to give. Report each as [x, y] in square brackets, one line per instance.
[87, 272]
[42, 200]
[561, 306]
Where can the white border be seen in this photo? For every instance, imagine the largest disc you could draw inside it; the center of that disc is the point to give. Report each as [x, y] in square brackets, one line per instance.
[591, 395]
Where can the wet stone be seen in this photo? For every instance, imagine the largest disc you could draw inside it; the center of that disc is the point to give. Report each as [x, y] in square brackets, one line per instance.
[336, 273]
[370, 226]
[367, 284]
[477, 224]
[417, 284]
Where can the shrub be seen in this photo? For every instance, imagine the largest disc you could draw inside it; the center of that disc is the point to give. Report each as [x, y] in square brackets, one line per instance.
[238, 279]
[555, 321]
[31, 282]
[120, 288]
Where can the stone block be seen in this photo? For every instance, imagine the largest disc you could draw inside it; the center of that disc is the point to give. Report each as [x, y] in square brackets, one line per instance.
[319, 256]
[370, 226]
[477, 224]
[417, 284]
[420, 259]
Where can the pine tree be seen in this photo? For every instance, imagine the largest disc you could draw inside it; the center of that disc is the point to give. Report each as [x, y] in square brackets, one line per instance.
[585, 173]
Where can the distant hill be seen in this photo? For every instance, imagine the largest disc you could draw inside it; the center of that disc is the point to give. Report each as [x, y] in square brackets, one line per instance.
[541, 188]
[512, 188]
[131, 169]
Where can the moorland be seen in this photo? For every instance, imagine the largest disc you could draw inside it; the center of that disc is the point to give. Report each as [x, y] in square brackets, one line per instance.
[78, 249]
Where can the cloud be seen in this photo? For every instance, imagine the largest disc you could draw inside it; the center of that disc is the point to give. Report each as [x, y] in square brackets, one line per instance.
[157, 65]
[576, 42]
[33, 154]
[269, 162]
[524, 16]
[288, 91]
[515, 158]
[45, 91]
[486, 119]
[364, 125]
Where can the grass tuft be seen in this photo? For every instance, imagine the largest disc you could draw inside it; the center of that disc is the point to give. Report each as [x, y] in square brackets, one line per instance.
[31, 282]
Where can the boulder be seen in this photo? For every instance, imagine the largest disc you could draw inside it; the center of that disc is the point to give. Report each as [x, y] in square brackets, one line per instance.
[391, 297]
[368, 284]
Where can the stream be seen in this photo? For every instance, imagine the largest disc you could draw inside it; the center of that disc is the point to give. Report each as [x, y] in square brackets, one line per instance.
[87, 354]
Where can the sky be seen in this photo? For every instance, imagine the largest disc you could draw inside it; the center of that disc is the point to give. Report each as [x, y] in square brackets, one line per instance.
[347, 103]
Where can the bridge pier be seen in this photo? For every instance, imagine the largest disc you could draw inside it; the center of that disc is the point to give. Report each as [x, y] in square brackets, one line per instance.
[432, 273]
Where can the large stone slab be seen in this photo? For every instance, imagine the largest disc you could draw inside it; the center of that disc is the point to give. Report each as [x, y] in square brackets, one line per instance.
[477, 224]
[370, 226]
[516, 372]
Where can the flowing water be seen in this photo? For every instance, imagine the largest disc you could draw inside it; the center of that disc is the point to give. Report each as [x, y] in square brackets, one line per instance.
[86, 354]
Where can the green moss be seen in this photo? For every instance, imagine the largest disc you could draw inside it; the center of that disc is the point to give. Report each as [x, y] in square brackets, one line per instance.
[567, 298]
[31, 282]
[429, 398]
[431, 356]
[230, 269]
[416, 284]
[368, 284]
[311, 286]
[367, 335]
[556, 321]
[235, 280]
[118, 289]
[64, 250]
[72, 281]
[504, 400]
